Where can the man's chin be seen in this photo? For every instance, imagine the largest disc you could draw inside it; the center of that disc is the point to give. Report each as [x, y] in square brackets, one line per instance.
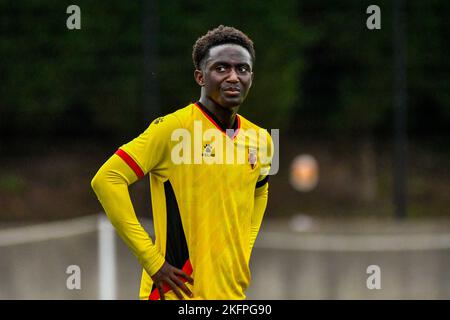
[231, 103]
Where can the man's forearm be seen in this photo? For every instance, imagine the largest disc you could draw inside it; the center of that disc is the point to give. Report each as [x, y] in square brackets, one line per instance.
[111, 187]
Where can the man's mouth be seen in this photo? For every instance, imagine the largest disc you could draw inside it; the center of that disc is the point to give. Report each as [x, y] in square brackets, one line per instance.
[232, 91]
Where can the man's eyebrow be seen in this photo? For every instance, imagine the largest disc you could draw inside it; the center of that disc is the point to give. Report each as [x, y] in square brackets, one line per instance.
[220, 62]
[225, 63]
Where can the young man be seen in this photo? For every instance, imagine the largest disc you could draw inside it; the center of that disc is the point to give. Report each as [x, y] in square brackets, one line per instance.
[208, 169]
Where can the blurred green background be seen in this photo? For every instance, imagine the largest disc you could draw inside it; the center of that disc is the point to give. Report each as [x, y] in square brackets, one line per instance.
[69, 98]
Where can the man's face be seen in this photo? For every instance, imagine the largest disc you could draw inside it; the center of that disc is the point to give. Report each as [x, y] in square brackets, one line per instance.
[226, 74]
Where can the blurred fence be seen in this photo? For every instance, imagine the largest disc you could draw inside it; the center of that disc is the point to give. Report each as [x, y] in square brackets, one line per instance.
[285, 264]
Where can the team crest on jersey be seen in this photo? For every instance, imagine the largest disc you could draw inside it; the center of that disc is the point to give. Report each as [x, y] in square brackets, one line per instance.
[208, 151]
[252, 158]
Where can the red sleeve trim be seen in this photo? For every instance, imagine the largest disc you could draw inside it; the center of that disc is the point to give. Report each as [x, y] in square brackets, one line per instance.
[130, 162]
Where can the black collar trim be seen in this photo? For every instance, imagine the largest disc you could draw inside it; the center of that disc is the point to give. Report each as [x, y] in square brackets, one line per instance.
[217, 121]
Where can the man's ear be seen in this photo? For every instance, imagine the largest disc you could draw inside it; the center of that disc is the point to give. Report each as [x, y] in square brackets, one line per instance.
[251, 81]
[198, 75]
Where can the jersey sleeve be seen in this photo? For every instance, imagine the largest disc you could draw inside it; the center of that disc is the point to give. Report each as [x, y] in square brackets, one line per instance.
[261, 197]
[262, 187]
[151, 150]
[110, 184]
[265, 156]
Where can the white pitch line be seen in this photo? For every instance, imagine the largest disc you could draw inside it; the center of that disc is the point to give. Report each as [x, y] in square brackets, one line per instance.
[48, 231]
[364, 243]
[266, 239]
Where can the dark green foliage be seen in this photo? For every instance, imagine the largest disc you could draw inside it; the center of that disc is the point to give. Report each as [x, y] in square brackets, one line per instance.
[317, 65]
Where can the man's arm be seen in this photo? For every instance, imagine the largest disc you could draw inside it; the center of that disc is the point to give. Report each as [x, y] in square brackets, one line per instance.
[262, 188]
[111, 187]
[261, 196]
[133, 161]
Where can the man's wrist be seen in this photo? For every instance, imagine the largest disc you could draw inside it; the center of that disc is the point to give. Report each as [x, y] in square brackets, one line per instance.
[154, 265]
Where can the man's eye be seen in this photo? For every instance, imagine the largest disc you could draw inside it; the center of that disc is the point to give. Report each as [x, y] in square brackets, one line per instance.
[220, 69]
[243, 69]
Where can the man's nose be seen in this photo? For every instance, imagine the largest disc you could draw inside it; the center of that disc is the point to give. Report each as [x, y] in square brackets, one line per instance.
[233, 77]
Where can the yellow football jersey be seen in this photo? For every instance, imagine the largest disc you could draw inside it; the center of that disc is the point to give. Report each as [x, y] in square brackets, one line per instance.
[204, 181]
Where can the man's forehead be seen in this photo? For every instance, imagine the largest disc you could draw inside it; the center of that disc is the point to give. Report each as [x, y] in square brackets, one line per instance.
[232, 52]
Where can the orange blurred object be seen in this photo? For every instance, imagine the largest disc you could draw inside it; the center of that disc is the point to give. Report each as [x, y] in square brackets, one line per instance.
[304, 174]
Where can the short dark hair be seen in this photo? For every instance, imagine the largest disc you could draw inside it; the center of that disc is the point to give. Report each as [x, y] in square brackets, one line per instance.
[220, 35]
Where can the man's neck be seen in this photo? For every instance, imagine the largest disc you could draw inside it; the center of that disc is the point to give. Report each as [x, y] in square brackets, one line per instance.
[226, 116]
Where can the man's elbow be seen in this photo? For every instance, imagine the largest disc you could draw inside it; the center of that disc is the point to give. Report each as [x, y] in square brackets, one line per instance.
[97, 181]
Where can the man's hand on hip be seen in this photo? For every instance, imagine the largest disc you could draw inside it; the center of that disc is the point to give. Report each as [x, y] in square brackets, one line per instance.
[171, 276]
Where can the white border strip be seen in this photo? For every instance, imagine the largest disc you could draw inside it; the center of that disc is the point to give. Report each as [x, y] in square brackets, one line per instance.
[356, 243]
[266, 239]
[48, 231]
